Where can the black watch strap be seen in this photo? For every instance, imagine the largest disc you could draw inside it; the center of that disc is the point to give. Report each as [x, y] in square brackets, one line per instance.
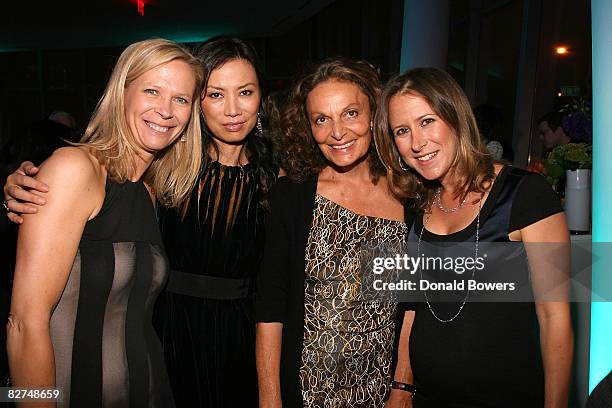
[396, 385]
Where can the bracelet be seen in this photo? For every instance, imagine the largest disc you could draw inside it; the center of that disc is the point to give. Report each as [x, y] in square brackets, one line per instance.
[396, 385]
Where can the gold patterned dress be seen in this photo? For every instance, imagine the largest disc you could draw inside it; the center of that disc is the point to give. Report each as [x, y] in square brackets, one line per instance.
[348, 341]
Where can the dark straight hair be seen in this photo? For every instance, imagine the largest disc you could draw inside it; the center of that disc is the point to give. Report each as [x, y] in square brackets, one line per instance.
[213, 54]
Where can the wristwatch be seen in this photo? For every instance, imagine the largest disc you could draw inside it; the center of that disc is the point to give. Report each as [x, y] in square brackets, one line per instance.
[396, 385]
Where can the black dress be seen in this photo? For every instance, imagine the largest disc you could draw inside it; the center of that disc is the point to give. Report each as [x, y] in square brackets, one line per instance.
[489, 356]
[205, 318]
[106, 350]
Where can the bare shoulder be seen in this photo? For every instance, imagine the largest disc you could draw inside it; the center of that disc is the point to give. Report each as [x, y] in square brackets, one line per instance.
[76, 181]
[70, 165]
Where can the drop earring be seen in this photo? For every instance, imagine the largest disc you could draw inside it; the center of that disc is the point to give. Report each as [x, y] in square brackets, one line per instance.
[258, 125]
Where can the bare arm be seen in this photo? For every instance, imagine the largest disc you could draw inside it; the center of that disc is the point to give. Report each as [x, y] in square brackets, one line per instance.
[556, 337]
[403, 370]
[268, 355]
[23, 193]
[46, 248]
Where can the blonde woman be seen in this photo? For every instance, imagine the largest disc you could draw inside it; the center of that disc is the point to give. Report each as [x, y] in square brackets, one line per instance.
[90, 262]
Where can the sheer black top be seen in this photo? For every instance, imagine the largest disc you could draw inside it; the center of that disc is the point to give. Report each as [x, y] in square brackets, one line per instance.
[106, 351]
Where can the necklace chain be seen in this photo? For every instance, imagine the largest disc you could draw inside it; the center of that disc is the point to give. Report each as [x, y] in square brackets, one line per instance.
[467, 292]
[438, 201]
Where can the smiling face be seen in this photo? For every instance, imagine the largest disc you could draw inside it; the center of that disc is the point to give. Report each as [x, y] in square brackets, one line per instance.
[158, 106]
[425, 142]
[340, 120]
[231, 101]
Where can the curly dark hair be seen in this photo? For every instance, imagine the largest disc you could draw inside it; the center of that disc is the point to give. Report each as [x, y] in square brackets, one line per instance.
[260, 150]
[302, 158]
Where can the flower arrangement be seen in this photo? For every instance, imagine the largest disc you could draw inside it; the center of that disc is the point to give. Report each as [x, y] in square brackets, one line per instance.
[577, 123]
[577, 120]
[571, 156]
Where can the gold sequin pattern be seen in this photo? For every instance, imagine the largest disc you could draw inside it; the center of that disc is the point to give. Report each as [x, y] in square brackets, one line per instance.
[348, 341]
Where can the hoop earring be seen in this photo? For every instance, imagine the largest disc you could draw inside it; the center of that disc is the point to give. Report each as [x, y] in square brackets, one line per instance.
[258, 125]
[400, 161]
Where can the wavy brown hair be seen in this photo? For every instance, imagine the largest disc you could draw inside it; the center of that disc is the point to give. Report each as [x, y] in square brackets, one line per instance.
[302, 158]
[472, 163]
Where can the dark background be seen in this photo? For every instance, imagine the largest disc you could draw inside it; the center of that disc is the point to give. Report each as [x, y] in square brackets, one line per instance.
[59, 55]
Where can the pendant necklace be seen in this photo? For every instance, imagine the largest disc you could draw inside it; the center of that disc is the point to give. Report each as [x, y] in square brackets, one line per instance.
[438, 201]
[467, 292]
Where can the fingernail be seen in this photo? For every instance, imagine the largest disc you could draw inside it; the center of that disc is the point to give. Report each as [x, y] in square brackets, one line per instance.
[32, 209]
[41, 201]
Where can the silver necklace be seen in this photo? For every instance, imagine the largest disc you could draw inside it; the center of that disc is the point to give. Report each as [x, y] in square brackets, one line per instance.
[467, 292]
[438, 201]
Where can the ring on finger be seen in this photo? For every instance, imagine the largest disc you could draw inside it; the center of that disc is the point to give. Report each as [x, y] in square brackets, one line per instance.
[5, 204]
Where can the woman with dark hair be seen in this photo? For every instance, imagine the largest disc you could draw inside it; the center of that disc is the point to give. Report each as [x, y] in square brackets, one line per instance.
[466, 353]
[319, 342]
[214, 241]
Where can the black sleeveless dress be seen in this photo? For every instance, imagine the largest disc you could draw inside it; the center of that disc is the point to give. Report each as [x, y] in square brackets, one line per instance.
[106, 350]
[489, 356]
[205, 317]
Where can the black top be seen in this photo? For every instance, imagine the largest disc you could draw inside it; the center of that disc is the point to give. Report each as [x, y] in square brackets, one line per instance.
[218, 235]
[280, 284]
[205, 317]
[601, 397]
[106, 351]
[536, 201]
[489, 355]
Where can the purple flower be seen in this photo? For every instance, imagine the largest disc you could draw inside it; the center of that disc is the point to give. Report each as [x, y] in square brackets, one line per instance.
[576, 121]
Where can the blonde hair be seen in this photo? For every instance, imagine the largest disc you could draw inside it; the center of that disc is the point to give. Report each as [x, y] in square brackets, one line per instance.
[472, 161]
[174, 170]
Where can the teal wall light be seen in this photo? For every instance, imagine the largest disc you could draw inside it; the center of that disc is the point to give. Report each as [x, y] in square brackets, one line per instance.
[601, 312]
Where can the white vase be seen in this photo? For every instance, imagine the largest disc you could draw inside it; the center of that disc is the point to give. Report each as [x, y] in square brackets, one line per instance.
[578, 200]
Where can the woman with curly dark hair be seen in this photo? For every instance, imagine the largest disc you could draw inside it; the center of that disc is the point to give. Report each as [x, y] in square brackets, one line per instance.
[214, 241]
[319, 342]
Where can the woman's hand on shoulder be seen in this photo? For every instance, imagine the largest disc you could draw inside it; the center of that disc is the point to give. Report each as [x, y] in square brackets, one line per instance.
[48, 240]
[77, 177]
[22, 192]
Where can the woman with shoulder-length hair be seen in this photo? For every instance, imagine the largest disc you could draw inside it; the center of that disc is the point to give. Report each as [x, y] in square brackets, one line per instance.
[319, 341]
[90, 263]
[214, 239]
[464, 353]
